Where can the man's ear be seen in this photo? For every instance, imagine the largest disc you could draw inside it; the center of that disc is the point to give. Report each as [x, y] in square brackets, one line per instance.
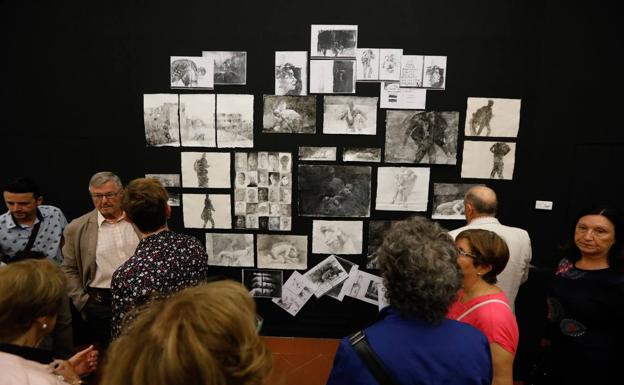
[39, 200]
[167, 211]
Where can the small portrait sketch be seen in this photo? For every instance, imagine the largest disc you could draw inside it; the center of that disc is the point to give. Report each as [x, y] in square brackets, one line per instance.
[205, 169]
[435, 72]
[390, 64]
[263, 283]
[402, 188]
[488, 160]
[332, 76]
[492, 117]
[291, 73]
[160, 117]
[350, 115]
[197, 120]
[317, 153]
[289, 252]
[337, 237]
[412, 71]
[191, 72]
[289, 114]
[334, 191]
[230, 67]
[376, 234]
[367, 64]
[448, 200]
[167, 180]
[333, 41]
[207, 211]
[326, 275]
[234, 120]
[362, 155]
[234, 250]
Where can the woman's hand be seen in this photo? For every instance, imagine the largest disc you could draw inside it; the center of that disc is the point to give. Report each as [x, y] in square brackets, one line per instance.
[85, 362]
[65, 372]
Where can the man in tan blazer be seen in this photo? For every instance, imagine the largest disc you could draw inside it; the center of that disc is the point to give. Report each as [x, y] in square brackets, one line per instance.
[96, 244]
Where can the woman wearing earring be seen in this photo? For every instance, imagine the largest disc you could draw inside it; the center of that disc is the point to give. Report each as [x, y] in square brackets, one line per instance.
[480, 303]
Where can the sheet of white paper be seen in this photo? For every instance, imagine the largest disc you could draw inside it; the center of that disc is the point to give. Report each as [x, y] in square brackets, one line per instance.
[393, 96]
[488, 160]
[327, 274]
[492, 117]
[297, 290]
[402, 188]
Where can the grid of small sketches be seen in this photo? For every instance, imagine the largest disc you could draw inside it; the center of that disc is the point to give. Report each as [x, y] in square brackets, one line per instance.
[492, 117]
[392, 95]
[376, 234]
[276, 251]
[234, 120]
[230, 249]
[230, 67]
[160, 117]
[297, 290]
[364, 287]
[263, 190]
[327, 274]
[350, 115]
[207, 211]
[362, 155]
[382, 294]
[317, 153]
[206, 169]
[339, 291]
[194, 72]
[412, 67]
[421, 137]
[333, 41]
[402, 188]
[289, 114]
[197, 120]
[291, 73]
[367, 64]
[263, 283]
[167, 180]
[448, 200]
[488, 160]
[337, 237]
[332, 76]
[390, 64]
[174, 199]
[334, 191]
[435, 72]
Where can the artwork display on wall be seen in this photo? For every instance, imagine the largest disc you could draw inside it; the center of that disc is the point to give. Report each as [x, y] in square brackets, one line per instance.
[488, 160]
[448, 200]
[340, 290]
[367, 64]
[317, 153]
[492, 117]
[207, 211]
[392, 95]
[160, 118]
[435, 72]
[289, 114]
[167, 180]
[412, 68]
[234, 120]
[291, 73]
[230, 67]
[326, 275]
[288, 252]
[337, 237]
[362, 155]
[197, 120]
[365, 287]
[234, 250]
[205, 169]
[333, 41]
[402, 188]
[390, 64]
[332, 76]
[191, 72]
[297, 290]
[350, 115]
[263, 283]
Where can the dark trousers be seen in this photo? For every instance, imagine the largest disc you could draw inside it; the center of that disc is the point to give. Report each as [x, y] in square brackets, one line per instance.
[98, 315]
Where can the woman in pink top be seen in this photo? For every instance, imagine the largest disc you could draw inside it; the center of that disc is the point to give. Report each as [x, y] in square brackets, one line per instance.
[482, 256]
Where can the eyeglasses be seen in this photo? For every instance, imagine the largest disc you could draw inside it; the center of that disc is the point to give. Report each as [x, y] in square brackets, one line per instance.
[466, 254]
[99, 197]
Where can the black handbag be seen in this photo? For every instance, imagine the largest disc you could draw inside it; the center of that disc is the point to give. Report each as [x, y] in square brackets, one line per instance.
[371, 360]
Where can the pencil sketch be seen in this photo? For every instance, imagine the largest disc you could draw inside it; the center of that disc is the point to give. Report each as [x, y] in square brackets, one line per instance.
[421, 137]
[448, 200]
[234, 120]
[282, 251]
[337, 237]
[327, 274]
[317, 153]
[197, 120]
[263, 283]
[382, 294]
[350, 115]
[291, 73]
[230, 249]
[203, 211]
[191, 72]
[332, 76]
[367, 64]
[297, 290]
[174, 199]
[376, 235]
[334, 191]
[435, 72]
[365, 287]
[289, 114]
[361, 155]
[402, 188]
[230, 67]
[333, 40]
[167, 180]
[205, 169]
[390, 64]
[392, 95]
[160, 117]
[492, 117]
[339, 291]
[488, 160]
[412, 67]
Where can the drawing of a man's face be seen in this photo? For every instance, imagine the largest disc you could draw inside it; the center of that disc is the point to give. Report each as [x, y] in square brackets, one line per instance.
[240, 178]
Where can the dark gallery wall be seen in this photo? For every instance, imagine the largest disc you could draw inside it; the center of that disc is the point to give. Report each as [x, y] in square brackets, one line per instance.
[75, 74]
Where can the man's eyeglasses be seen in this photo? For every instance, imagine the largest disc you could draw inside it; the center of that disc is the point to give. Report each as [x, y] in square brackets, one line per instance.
[466, 254]
[99, 197]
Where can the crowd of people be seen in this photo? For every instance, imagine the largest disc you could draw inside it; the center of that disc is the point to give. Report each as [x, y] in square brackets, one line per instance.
[451, 295]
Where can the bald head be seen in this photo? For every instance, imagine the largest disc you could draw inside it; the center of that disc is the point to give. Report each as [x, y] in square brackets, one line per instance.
[480, 201]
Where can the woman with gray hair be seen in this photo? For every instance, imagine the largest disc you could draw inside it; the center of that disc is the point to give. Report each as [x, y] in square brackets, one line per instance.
[412, 338]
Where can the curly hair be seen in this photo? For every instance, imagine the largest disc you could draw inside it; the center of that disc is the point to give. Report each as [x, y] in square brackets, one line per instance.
[418, 263]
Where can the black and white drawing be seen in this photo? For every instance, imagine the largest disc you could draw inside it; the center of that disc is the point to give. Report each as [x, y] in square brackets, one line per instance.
[382, 294]
[392, 95]
[234, 120]
[492, 117]
[197, 120]
[167, 180]
[350, 115]
[412, 68]
[326, 275]
[448, 200]
[191, 72]
[361, 155]
[421, 137]
[332, 76]
[297, 290]
[263, 283]
[339, 291]
[390, 64]
[365, 287]
[283, 251]
[333, 41]
[317, 153]
[160, 117]
[289, 114]
[402, 188]
[205, 169]
[376, 235]
[291, 73]
[367, 64]
[337, 237]
[174, 199]
[230, 67]
[334, 191]
[230, 249]
[434, 72]
[488, 160]
[207, 211]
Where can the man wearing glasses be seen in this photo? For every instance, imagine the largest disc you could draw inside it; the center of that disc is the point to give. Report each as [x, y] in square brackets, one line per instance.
[96, 244]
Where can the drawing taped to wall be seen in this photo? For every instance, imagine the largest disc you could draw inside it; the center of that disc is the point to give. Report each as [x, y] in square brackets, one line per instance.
[492, 117]
[448, 200]
[402, 188]
[191, 72]
[332, 76]
[297, 290]
[333, 41]
[339, 291]
[289, 114]
[488, 160]
[390, 64]
[326, 275]
[282, 251]
[234, 120]
[350, 115]
[167, 180]
[361, 155]
[205, 169]
[263, 283]
[365, 287]
[291, 73]
[337, 237]
[197, 120]
[412, 68]
[367, 64]
[435, 72]
[392, 95]
[317, 153]
[160, 117]
[230, 67]
[207, 211]
[230, 249]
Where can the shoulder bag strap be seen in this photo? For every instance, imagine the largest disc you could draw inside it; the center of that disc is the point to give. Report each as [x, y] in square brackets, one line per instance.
[479, 305]
[371, 360]
[33, 236]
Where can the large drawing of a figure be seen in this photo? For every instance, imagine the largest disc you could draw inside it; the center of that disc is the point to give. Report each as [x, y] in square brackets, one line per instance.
[206, 214]
[201, 169]
[499, 150]
[481, 119]
[426, 129]
[283, 252]
[404, 183]
[353, 116]
[367, 58]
